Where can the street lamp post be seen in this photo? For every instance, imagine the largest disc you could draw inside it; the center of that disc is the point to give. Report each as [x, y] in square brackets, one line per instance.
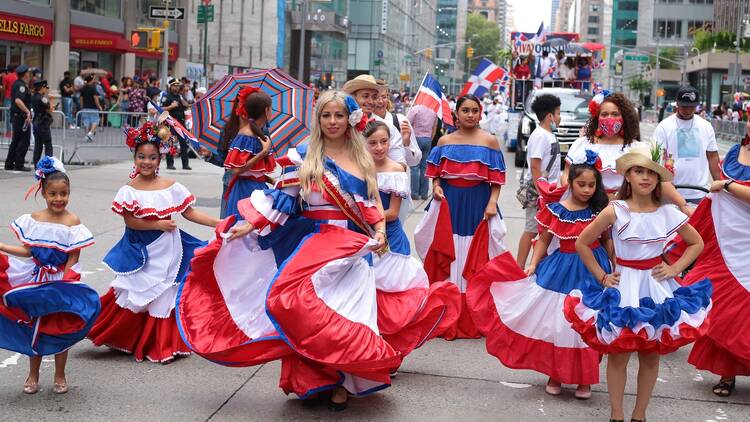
[737, 75]
[301, 64]
[656, 76]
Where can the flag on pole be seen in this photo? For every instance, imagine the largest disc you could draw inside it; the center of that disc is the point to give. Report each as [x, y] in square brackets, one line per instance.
[431, 95]
[482, 78]
[541, 34]
[177, 127]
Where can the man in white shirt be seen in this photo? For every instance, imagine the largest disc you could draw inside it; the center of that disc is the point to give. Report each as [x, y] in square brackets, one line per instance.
[400, 128]
[545, 68]
[690, 141]
[366, 92]
[542, 160]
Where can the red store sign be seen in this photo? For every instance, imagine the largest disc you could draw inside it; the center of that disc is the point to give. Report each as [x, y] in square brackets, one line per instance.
[25, 29]
[93, 39]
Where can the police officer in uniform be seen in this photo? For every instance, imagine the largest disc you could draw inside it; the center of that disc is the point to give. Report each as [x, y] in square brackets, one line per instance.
[20, 118]
[175, 104]
[42, 120]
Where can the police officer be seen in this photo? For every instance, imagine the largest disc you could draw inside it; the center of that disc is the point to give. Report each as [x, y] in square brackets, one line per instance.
[20, 117]
[42, 120]
[176, 105]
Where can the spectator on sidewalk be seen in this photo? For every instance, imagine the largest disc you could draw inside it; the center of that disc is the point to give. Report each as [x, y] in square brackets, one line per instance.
[42, 121]
[153, 87]
[8, 80]
[20, 115]
[424, 122]
[690, 141]
[90, 107]
[78, 84]
[176, 105]
[66, 98]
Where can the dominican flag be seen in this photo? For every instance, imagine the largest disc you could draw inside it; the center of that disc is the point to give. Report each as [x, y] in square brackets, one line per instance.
[177, 127]
[541, 34]
[482, 78]
[431, 95]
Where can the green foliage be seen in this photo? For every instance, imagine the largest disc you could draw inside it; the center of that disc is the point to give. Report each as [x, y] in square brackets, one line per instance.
[721, 41]
[640, 85]
[483, 36]
[667, 53]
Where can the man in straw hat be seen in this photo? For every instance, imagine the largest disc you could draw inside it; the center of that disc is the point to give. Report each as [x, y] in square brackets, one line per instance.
[365, 91]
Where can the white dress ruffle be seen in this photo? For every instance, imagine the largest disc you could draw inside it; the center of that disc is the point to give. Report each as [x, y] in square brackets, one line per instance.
[160, 203]
[42, 234]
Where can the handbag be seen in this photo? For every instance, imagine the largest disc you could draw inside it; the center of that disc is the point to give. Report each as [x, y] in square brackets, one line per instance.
[527, 194]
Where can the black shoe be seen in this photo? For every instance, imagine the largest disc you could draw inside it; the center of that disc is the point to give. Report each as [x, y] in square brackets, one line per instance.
[22, 168]
[171, 168]
[337, 407]
[187, 168]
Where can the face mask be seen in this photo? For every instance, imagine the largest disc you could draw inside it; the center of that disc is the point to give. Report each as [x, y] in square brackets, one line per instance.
[553, 126]
[610, 126]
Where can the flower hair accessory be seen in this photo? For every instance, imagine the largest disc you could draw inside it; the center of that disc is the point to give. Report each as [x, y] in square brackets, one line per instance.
[45, 167]
[150, 132]
[597, 101]
[357, 118]
[590, 158]
[241, 98]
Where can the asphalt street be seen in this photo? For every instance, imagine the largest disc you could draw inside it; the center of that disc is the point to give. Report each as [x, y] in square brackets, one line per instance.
[442, 381]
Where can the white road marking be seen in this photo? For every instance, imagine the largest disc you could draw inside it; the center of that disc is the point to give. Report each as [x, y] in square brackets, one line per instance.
[661, 380]
[13, 360]
[515, 385]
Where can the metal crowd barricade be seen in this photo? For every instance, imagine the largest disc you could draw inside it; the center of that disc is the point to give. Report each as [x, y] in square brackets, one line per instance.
[108, 133]
[729, 130]
[58, 134]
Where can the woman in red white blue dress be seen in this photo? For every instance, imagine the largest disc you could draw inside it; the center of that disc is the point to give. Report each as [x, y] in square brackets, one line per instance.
[152, 258]
[45, 309]
[295, 281]
[723, 221]
[462, 229]
[249, 155]
[410, 309]
[639, 307]
[521, 314]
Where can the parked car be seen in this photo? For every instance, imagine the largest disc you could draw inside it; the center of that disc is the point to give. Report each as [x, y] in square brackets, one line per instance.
[574, 113]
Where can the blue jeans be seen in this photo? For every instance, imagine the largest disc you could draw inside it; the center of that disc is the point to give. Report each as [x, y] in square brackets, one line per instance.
[67, 106]
[420, 184]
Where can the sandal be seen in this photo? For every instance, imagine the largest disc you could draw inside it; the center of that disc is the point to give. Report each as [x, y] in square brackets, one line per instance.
[336, 406]
[583, 394]
[552, 390]
[60, 387]
[30, 387]
[725, 387]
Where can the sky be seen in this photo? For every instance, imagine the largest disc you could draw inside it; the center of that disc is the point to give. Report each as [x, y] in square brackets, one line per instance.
[528, 13]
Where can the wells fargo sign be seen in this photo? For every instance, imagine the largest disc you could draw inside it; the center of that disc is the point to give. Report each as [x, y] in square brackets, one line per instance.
[92, 39]
[22, 28]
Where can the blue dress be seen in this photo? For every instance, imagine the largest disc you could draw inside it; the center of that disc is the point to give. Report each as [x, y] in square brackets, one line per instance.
[241, 186]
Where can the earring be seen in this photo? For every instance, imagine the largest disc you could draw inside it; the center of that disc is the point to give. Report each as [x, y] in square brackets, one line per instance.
[157, 171]
[134, 172]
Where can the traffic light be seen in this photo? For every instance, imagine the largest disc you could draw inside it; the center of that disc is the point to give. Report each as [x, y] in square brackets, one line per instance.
[428, 53]
[139, 40]
[470, 52]
[154, 42]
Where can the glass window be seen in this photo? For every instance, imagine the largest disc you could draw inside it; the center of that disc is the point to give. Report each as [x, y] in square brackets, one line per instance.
[109, 8]
[626, 24]
[593, 31]
[628, 5]
[593, 19]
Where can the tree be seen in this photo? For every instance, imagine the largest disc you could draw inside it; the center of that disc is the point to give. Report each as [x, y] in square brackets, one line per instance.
[481, 35]
[639, 85]
[668, 53]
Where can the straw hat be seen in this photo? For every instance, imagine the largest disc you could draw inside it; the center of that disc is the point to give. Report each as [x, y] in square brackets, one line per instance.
[641, 155]
[362, 82]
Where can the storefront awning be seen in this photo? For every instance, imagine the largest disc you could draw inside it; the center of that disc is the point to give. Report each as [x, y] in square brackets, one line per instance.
[94, 39]
[25, 29]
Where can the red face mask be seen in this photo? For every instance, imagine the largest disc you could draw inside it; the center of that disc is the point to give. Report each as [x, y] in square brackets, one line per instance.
[610, 126]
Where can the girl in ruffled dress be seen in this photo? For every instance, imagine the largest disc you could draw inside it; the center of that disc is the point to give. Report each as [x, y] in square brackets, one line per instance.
[410, 310]
[521, 314]
[295, 280]
[45, 308]
[462, 228]
[638, 307]
[152, 258]
[249, 155]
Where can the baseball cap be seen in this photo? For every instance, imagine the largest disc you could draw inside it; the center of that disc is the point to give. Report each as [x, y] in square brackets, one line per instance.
[22, 69]
[41, 84]
[687, 96]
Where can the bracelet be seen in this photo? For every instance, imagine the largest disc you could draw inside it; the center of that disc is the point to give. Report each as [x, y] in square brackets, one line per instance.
[726, 185]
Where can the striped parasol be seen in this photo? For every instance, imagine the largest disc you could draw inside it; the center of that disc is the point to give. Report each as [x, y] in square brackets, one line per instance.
[292, 104]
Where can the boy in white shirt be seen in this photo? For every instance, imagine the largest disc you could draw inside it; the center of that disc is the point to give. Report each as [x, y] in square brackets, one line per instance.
[690, 141]
[542, 160]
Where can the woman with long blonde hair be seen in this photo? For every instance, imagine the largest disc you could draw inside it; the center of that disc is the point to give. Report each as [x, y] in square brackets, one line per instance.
[295, 281]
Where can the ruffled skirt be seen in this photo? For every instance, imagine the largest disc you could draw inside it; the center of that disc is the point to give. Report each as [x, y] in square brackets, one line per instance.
[523, 320]
[313, 306]
[725, 349]
[138, 311]
[43, 318]
[640, 314]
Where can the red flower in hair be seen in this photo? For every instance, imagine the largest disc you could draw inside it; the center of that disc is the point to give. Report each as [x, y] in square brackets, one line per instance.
[241, 98]
[131, 137]
[363, 124]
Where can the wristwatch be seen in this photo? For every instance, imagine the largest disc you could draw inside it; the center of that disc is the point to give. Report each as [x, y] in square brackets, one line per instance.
[727, 183]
